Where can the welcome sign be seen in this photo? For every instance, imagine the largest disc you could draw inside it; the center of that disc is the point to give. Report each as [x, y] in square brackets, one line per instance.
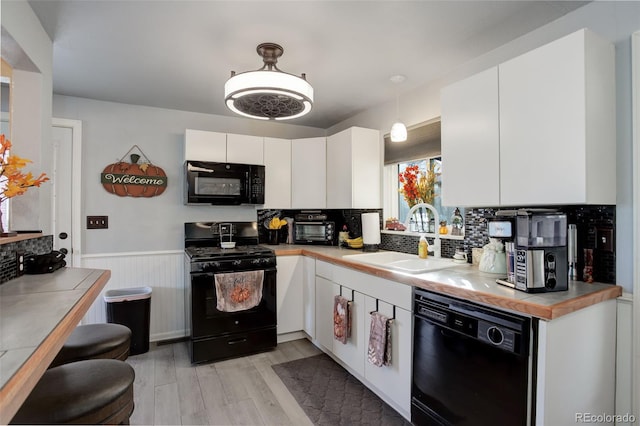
[132, 179]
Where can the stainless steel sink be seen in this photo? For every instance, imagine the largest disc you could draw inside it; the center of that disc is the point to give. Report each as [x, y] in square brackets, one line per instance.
[404, 262]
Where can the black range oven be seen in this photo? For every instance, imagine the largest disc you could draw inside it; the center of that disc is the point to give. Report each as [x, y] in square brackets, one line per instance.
[471, 364]
[231, 292]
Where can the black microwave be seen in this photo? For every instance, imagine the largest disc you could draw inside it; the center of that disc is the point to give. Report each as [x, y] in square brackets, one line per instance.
[223, 184]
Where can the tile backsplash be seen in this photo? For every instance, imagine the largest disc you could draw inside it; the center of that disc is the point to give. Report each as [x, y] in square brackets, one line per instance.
[349, 217]
[8, 254]
[592, 223]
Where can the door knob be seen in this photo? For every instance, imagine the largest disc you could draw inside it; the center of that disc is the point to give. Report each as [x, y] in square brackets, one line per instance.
[64, 251]
[63, 235]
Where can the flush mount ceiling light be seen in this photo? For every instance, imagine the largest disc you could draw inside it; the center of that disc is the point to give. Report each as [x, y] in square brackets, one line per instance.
[398, 131]
[268, 93]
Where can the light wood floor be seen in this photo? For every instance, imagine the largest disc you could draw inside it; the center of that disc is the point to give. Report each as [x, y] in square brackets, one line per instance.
[168, 390]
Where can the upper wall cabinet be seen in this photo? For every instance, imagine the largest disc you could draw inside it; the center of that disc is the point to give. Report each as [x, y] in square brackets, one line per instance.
[556, 121]
[309, 173]
[200, 145]
[203, 145]
[354, 180]
[277, 161]
[471, 141]
[245, 149]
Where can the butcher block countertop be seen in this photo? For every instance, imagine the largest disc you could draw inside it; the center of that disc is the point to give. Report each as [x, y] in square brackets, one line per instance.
[37, 315]
[467, 282]
[19, 237]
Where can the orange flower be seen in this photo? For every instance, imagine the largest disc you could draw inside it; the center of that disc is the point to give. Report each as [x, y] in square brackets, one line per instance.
[417, 187]
[13, 181]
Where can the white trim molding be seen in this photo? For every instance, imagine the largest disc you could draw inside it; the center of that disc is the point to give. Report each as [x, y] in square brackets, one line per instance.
[76, 185]
[635, 85]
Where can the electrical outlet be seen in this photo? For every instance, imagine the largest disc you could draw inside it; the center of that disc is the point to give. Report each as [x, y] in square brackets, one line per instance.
[97, 222]
[19, 263]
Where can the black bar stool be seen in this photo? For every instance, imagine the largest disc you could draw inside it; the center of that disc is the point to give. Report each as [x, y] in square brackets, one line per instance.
[95, 341]
[96, 391]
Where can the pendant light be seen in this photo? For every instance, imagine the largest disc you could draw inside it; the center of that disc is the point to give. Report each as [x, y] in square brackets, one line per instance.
[268, 93]
[398, 130]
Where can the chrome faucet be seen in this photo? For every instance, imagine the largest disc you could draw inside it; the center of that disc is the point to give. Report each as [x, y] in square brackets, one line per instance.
[435, 247]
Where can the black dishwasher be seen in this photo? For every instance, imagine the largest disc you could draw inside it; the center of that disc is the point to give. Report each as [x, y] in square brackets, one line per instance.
[471, 364]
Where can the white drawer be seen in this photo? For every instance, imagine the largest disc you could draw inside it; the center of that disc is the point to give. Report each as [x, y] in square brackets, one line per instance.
[324, 269]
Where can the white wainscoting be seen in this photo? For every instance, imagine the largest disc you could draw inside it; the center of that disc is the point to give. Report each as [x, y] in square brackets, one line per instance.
[163, 271]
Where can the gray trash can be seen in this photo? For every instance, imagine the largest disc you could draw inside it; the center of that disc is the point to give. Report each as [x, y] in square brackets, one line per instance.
[131, 307]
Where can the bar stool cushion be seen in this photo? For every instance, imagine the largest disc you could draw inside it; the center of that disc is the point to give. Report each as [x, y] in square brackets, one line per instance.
[95, 341]
[97, 391]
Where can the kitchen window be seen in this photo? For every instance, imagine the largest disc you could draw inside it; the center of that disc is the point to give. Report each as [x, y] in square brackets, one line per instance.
[423, 149]
[394, 203]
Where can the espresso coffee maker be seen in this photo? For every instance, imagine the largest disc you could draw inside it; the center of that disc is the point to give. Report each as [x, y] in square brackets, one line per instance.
[540, 251]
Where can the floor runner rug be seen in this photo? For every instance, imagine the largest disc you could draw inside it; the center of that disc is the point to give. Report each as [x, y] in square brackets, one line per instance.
[330, 395]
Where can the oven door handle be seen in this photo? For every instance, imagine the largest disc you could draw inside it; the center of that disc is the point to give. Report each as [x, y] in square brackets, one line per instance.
[230, 271]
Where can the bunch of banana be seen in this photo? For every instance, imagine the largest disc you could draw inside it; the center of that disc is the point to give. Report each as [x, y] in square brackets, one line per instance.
[277, 223]
[354, 243]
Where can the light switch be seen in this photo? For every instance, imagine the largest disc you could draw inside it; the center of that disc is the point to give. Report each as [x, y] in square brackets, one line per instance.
[97, 222]
[604, 239]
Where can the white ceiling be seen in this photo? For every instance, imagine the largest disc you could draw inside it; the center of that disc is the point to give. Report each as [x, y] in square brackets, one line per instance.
[178, 54]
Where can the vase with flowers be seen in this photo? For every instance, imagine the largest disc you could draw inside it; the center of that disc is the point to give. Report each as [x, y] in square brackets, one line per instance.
[13, 181]
[418, 187]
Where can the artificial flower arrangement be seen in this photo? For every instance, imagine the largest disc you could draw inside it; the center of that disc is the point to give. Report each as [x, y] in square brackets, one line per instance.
[13, 181]
[417, 187]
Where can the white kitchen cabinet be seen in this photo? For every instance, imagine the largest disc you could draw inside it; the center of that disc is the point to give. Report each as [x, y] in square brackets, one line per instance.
[309, 296]
[245, 149]
[324, 313]
[290, 287]
[576, 365]
[556, 119]
[557, 123]
[393, 380]
[470, 141]
[352, 352]
[200, 145]
[277, 161]
[369, 293]
[354, 178]
[308, 173]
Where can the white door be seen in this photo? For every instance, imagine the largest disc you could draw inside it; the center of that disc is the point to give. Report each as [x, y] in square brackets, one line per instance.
[66, 226]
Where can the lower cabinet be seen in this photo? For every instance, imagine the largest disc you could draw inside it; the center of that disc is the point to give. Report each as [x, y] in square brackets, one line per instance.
[395, 379]
[290, 280]
[309, 296]
[367, 293]
[324, 313]
[351, 352]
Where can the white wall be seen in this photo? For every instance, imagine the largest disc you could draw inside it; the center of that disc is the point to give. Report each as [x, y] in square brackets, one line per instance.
[30, 52]
[149, 224]
[615, 21]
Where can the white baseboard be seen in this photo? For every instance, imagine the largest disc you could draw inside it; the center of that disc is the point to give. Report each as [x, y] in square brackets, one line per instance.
[287, 337]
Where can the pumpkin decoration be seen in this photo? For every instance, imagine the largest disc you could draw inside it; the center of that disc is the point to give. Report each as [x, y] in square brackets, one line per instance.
[134, 179]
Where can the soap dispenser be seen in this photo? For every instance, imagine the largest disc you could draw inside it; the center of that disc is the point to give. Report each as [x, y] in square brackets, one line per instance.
[423, 247]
